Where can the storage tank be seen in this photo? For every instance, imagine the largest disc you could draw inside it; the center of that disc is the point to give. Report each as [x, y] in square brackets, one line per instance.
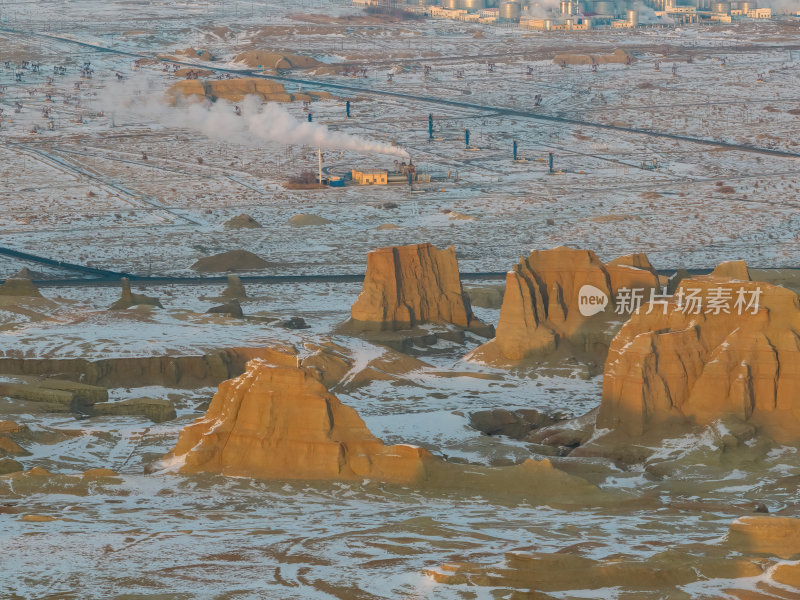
[721, 7]
[473, 4]
[450, 4]
[605, 7]
[745, 6]
[510, 11]
[633, 18]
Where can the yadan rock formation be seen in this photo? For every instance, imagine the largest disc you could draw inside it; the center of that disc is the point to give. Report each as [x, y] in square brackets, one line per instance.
[541, 304]
[778, 536]
[718, 348]
[235, 90]
[233, 260]
[235, 288]
[409, 285]
[19, 287]
[231, 308]
[170, 371]
[243, 221]
[129, 299]
[278, 422]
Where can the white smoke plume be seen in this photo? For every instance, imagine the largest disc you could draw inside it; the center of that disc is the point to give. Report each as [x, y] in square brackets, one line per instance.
[782, 6]
[648, 15]
[257, 123]
[541, 9]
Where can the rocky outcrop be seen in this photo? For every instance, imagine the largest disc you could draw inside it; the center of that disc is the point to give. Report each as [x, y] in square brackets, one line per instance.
[514, 424]
[129, 299]
[9, 447]
[9, 465]
[170, 371]
[339, 369]
[696, 360]
[236, 90]
[157, 410]
[278, 422]
[19, 287]
[232, 309]
[235, 260]
[267, 59]
[235, 288]
[541, 308]
[660, 575]
[306, 220]
[777, 536]
[61, 394]
[409, 285]
[242, 221]
[12, 427]
[618, 57]
[733, 269]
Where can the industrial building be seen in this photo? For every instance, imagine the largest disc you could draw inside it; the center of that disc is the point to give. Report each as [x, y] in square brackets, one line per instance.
[403, 173]
[577, 15]
[370, 177]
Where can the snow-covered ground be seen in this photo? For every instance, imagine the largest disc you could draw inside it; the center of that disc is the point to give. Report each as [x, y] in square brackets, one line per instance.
[110, 188]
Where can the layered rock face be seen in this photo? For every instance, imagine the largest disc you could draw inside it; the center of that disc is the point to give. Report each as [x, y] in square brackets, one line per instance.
[277, 422]
[541, 303]
[739, 357]
[170, 371]
[409, 285]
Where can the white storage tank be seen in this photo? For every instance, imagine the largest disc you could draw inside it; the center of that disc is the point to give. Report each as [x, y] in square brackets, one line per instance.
[633, 18]
[473, 4]
[721, 7]
[510, 11]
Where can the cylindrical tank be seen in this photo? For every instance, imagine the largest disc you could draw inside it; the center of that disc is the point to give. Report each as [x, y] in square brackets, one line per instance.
[450, 4]
[473, 4]
[605, 7]
[633, 18]
[510, 11]
[721, 7]
[745, 6]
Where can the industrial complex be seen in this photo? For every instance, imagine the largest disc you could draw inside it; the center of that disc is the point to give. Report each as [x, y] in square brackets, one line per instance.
[581, 15]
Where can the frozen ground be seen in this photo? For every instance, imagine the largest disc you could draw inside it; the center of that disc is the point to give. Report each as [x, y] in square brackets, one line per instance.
[109, 188]
[117, 189]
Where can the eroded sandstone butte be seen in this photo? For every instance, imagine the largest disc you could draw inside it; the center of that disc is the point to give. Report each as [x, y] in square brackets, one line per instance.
[677, 366]
[409, 285]
[279, 422]
[540, 310]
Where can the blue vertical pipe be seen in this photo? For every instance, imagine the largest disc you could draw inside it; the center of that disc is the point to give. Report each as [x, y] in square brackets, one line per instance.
[466, 138]
[515, 149]
[430, 126]
[550, 160]
[347, 108]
